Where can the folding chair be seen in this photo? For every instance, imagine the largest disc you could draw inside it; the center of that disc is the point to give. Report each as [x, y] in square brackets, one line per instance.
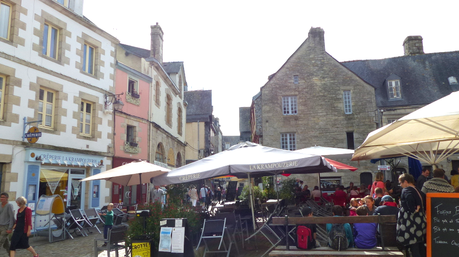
[120, 216]
[92, 217]
[268, 233]
[232, 227]
[214, 230]
[76, 222]
[116, 235]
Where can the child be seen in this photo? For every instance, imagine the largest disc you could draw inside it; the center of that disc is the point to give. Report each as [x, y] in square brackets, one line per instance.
[108, 221]
[364, 233]
[354, 205]
[307, 212]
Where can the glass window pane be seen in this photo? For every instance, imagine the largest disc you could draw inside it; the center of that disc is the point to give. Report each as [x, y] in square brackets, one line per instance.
[82, 107]
[49, 97]
[81, 117]
[40, 106]
[87, 129]
[40, 117]
[4, 20]
[53, 49]
[45, 40]
[81, 127]
[41, 94]
[85, 57]
[49, 109]
[88, 108]
[88, 118]
[90, 60]
[48, 121]
[1, 83]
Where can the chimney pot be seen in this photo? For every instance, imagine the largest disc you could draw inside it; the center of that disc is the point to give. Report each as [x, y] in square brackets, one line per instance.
[413, 45]
[316, 37]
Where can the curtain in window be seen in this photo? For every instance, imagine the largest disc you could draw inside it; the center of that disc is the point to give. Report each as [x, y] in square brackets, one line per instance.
[4, 20]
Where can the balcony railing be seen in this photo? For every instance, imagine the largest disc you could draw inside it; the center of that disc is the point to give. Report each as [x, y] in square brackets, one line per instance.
[131, 147]
[133, 98]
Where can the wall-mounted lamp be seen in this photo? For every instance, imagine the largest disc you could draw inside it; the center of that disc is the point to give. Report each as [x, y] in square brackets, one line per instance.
[115, 100]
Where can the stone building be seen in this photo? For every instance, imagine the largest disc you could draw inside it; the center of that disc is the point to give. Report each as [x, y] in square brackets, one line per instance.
[56, 79]
[314, 100]
[151, 125]
[203, 134]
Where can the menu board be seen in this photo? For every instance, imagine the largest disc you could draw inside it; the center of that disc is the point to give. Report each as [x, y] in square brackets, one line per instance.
[442, 224]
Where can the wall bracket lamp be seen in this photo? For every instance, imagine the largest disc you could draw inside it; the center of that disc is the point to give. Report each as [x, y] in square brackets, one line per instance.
[114, 100]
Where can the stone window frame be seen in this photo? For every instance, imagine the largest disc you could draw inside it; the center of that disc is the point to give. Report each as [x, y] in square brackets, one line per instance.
[290, 105]
[130, 97]
[169, 110]
[179, 120]
[295, 79]
[2, 94]
[15, 23]
[347, 101]
[131, 134]
[98, 53]
[64, 37]
[9, 99]
[59, 112]
[96, 119]
[49, 39]
[82, 121]
[288, 141]
[8, 22]
[158, 93]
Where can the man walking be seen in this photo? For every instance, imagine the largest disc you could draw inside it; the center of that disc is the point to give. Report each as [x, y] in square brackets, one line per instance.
[6, 221]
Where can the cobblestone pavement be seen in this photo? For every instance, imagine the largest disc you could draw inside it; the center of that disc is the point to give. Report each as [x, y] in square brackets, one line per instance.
[84, 247]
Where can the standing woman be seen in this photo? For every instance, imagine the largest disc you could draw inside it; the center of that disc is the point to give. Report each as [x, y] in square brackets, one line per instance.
[378, 183]
[411, 222]
[22, 228]
[193, 193]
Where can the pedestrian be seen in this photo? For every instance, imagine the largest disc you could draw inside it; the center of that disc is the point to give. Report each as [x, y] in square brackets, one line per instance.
[219, 194]
[6, 220]
[411, 221]
[157, 195]
[22, 228]
[422, 178]
[193, 193]
[438, 184]
[203, 194]
[108, 221]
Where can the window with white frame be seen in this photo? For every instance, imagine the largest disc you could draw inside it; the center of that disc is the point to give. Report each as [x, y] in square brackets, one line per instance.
[289, 105]
[394, 89]
[288, 141]
[50, 41]
[347, 102]
[85, 118]
[2, 94]
[88, 58]
[46, 100]
[64, 2]
[5, 20]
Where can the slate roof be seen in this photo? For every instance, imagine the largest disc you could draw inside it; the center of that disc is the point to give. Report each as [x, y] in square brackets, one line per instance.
[423, 78]
[199, 105]
[172, 67]
[140, 52]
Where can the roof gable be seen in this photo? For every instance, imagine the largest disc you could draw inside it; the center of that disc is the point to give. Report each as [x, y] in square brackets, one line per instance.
[199, 105]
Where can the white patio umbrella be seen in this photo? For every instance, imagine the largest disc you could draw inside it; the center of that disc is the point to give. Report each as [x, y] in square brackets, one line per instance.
[247, 159]
[429, 134]
[130, 174]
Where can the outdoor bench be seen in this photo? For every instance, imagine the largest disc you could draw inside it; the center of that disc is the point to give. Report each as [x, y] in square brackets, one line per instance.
[387, 231]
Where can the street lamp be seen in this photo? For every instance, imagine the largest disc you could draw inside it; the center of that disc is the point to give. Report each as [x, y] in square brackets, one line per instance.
[115, 101]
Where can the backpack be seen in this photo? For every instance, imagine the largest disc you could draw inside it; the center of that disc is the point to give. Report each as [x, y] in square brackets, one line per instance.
[304, 238]
[337, 237]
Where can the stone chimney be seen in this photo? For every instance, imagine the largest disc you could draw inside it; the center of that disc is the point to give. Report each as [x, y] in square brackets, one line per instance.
[156, 49]
[413, 45]
[316, 38]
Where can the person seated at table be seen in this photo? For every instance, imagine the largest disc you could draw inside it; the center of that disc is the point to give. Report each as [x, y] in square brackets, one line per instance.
[370, 204]
[354, 192]
[306, 193]
[365, 233]
[379, 194]
[340, 196]
[338, 211]
[307, 212]
[354, 204]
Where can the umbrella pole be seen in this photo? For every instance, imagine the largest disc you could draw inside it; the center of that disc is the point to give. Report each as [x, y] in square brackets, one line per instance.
[251, 201]
[277, 188]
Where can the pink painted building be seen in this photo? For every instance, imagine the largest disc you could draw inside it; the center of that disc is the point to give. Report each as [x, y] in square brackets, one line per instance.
[131, 128]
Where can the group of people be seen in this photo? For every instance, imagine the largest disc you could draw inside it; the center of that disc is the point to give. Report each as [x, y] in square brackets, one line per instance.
[20, 227]
[205, 195]
[406, 200]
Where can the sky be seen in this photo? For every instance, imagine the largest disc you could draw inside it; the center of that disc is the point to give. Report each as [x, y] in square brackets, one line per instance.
[231, 47]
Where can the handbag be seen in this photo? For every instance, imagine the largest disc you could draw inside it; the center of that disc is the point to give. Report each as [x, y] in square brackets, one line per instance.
[417, 219]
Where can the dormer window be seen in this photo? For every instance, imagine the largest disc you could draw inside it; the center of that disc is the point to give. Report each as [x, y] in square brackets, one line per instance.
[452, 80]
[394, 89]
[64, 2]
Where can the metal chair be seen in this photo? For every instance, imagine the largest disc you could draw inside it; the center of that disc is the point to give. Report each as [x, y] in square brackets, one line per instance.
[76, 221]
[116, 235]
[214, 231]
[92, 217]
[232, 227]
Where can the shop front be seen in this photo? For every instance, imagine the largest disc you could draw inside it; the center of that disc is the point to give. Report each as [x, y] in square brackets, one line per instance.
[127, 195]
[50, 172]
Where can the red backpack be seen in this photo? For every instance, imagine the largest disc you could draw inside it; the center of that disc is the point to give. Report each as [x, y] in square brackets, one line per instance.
[304, 238]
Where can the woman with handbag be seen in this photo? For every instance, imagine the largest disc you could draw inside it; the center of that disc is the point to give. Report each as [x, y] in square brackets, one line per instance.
[411, 222]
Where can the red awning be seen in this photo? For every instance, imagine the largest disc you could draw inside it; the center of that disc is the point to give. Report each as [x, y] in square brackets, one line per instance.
[341, 166]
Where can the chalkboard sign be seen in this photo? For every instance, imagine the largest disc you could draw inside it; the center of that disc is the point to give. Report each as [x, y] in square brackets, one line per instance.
[442, 224]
